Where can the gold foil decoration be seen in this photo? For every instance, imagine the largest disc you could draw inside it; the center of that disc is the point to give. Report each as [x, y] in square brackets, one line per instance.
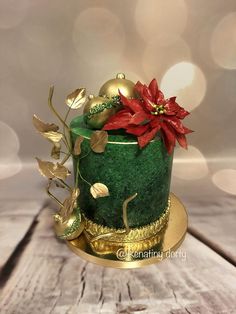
[77, 146]
[124, 209]
[69, 204]
[125, 221]
[56, 150]
[52, 136]
[115, 236]
[50, 170]
[44, 127]
[76, 99]
[99, 190]
[98, 141]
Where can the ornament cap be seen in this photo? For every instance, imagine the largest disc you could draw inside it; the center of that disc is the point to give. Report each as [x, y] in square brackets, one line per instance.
[120, 76]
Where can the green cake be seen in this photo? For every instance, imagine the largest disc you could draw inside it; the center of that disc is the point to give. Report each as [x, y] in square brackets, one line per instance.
[125, 169]
[133, 169]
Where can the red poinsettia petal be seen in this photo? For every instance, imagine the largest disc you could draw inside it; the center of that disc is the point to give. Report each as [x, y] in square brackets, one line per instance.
[171, 106]
[153, 87]
[160, 97]
[147, 104]
[181, 113]
[187, 130]
[168, 136]
[175, 123]
[139, 88]
[147, 94]
[139, 117]
[154, 121]
[134, 105]
[181, 138]
[144, 139]
[118, 121]
[137, 130]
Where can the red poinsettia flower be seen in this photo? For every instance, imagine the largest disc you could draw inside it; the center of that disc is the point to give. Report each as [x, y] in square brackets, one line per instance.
[151, 113]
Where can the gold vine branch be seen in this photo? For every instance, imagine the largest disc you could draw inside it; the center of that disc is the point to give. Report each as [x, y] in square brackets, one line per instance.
[56, 172]
[125, 221]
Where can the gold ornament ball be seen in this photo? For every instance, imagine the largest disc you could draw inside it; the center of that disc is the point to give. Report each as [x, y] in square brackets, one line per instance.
[97, 120]
[111, 88]
[70, 228]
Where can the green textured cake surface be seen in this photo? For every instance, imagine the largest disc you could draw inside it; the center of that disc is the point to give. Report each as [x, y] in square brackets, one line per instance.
[125, 169]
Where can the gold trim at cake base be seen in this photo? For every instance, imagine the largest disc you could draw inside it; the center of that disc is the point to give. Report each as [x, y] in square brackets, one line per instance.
[129, 256]
[100, 235]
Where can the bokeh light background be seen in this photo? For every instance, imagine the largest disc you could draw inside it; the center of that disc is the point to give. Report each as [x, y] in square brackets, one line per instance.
[189, 46]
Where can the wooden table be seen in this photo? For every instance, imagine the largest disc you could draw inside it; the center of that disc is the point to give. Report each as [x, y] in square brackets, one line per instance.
[39, 274]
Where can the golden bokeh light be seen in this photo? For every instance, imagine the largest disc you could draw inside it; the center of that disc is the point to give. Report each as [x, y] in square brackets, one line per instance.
[223, 42]
[161, 20]
[157, 59]
[189, 164]
[225, 180]
[186, 81]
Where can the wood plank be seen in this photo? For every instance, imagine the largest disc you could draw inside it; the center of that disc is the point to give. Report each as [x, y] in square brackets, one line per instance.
[50, 279]
[213, 222]
[16, 218]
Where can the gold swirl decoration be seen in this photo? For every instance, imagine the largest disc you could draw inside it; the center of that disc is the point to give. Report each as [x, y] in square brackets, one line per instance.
[95, 232]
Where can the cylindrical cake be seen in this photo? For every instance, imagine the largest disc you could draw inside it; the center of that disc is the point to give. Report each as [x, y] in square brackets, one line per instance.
[125, 169]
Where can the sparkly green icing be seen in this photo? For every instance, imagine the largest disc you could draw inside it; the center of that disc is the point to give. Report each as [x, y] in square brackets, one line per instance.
[125, 169]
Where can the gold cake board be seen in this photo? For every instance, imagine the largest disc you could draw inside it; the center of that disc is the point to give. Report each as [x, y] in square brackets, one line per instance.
[172, 237]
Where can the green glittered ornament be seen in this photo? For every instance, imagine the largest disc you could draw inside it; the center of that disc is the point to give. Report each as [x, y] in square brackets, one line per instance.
[99, 109]
[70, 228]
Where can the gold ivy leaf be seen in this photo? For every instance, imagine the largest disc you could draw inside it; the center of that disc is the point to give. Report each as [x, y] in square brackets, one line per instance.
[52, 136]
[44, 127]
[76, 99]
[77, 146]
[55, 153]
[60, 171]
[98, 141]
[99, 190]
[46, 168]
[69, 204]
[50, 170]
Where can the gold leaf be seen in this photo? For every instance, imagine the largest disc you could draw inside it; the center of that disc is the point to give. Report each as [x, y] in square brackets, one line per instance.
[46, 168]
[60, 171]
[55, 153]
[99, 190]
[77, 146]
[52, 136]
[50, 170]
[76, 99]
[98, 141]
[44, 127]
[69, 204]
